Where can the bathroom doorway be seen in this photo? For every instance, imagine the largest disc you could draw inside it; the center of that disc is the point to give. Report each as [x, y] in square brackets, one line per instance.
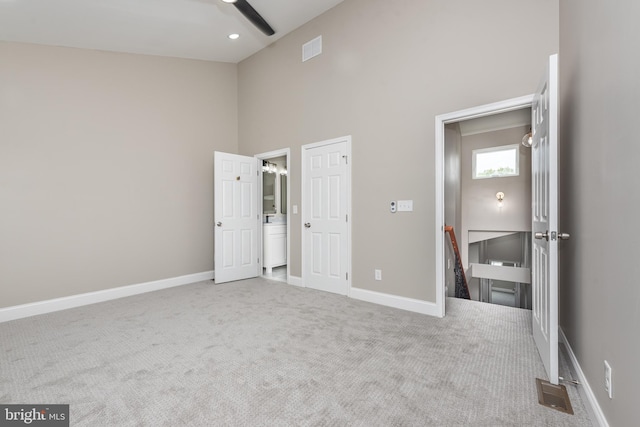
[274, 202]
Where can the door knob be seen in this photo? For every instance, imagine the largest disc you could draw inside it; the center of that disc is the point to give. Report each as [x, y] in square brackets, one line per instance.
[554, 236]
[544, 235]
[219, 224]
[307, 225]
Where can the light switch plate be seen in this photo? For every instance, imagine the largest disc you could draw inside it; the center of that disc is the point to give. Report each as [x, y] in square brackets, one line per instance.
[405, 205]
[295, 209]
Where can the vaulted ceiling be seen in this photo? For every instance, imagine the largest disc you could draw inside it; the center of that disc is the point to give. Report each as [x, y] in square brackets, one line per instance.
[196, 29]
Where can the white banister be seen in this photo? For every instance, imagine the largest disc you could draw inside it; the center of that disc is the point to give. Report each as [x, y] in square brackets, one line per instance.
[499, 272]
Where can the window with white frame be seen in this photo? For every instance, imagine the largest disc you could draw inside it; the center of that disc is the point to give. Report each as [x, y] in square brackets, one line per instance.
[496, 162]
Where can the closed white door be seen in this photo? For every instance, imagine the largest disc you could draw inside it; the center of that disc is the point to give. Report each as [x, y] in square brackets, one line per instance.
[544, 153]
[236, 217]
[325, 215]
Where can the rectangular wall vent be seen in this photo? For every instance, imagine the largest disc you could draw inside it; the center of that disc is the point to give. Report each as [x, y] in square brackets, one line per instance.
[312, 48]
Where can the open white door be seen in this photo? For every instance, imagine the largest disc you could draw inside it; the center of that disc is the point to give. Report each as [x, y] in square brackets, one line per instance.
[236, 217]
[325, 209]
[544, 172]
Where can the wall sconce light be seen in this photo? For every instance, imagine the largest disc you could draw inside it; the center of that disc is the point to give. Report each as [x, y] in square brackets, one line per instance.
[500, 197]
[527, 139]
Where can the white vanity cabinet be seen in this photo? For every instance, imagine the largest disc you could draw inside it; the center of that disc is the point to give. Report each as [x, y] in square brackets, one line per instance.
[274, 240]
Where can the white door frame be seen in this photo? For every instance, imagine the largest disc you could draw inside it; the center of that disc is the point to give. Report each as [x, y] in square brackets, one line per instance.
[349, 159]
[266, 156]
[441, 121]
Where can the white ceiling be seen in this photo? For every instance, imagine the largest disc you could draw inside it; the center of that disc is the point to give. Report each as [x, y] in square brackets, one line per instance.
[194, 29]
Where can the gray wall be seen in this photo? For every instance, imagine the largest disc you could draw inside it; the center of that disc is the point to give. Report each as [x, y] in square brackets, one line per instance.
[385, 72]
[452, 202]
[452, 176]
[480, 211]
[106, 168]
[506, 248]
[599, 198]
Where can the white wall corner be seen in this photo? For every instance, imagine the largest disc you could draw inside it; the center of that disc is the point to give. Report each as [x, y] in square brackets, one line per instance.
[585, 390]
[72, 301]
[403, 303]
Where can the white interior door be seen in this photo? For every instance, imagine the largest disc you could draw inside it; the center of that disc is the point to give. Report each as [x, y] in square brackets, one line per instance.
[325, 209]
[544, 118]
[236, 217]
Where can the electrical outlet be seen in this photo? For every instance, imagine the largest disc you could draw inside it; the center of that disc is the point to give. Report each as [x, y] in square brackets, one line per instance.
[378, 274]
[608, 386]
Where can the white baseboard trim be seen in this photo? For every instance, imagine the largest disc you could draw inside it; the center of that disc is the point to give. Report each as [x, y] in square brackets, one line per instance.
[57, 304]
[587, 395]
[403, 303]
[295, 281]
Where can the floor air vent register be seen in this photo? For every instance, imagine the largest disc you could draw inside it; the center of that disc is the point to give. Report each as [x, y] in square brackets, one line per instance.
[553, 396]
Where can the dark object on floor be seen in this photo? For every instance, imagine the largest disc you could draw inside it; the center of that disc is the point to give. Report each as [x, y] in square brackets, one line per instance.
[553, 396]
[462, 291]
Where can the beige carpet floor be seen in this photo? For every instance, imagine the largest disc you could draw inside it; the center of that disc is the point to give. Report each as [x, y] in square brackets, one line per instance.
[263, 353]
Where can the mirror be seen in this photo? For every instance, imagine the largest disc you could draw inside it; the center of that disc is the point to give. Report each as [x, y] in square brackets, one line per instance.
[269, 193]
[283, 194]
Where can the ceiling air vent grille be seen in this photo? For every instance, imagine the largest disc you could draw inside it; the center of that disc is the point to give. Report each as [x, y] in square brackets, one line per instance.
[312, 48]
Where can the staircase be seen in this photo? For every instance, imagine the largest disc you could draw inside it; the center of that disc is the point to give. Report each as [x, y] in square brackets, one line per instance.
[462, 289]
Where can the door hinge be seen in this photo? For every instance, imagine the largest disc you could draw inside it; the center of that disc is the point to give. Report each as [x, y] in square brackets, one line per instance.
[346, 276]
[346, 159]
[346, 218]
[258, 260]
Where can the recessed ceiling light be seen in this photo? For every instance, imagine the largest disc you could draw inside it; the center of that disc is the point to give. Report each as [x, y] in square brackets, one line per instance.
[233, 36]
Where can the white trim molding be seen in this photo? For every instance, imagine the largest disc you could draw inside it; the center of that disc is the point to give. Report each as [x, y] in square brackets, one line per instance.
[585, 390]
[403, 303]
[72, 301]
[441, 120]
[295, 281]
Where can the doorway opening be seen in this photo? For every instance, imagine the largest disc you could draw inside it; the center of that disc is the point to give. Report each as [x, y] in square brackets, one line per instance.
[273, 203]
[544, 203]
[488, 202]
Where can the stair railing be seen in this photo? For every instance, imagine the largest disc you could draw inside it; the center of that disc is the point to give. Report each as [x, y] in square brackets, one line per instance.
[464, 291]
